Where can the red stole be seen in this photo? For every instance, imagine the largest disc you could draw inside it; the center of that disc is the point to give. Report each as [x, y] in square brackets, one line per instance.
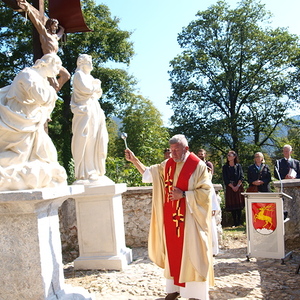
[174, 213]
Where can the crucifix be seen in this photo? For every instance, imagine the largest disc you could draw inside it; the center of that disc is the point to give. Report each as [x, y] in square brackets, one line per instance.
[48, 31]
[67, 12]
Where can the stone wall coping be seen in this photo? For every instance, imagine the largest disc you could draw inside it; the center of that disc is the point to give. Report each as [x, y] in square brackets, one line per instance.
[287, 183]
[139, 189]
[40, 194]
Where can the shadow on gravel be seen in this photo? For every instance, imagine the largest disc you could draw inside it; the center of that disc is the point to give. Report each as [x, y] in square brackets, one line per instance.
[280, 281]
[259, 278]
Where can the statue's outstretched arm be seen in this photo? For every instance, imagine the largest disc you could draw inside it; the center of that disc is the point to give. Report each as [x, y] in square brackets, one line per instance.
[23, 4]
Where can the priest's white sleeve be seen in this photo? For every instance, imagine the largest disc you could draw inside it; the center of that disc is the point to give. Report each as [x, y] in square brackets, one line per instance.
[147, 176]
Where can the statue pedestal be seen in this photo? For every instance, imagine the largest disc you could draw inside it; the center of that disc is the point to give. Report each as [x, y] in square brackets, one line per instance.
[100, 225]
[30, 252]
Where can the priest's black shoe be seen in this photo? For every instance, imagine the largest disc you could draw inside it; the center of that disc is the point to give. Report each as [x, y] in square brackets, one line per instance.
[172, 296]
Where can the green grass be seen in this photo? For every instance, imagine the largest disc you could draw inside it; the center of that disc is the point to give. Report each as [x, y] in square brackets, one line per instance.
[236, 230]
[234, 237]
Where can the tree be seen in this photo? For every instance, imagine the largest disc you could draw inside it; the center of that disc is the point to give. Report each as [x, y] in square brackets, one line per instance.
[16, 47]
[146, 137]
[288, 133]
[106, 42]
[231, 83]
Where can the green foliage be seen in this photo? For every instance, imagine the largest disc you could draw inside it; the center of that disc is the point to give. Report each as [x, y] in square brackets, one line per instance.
[105, 43]
[121, 171]
[71, 169]
[16, 44]
[232, 82]
[289, 133]
[294, 139]
[55, 126]
[112, 129]
[147, 137]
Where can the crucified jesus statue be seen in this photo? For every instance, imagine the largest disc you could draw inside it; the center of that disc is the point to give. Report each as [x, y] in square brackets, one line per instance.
[50, 34]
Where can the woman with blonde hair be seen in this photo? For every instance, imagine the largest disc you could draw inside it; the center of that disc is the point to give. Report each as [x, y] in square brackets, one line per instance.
[259, 174]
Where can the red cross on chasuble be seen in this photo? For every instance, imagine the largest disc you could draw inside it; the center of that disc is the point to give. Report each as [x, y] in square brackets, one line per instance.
[174, 213]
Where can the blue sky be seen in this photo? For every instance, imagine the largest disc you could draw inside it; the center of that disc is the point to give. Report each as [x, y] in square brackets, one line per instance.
[155, 25]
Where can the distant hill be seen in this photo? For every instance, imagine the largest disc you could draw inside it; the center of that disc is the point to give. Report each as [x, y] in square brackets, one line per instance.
[283, 130]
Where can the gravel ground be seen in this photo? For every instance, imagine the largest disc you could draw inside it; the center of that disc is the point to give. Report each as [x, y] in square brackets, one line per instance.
[235, 276]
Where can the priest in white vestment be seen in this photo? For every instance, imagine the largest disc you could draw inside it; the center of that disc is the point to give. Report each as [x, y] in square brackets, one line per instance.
[180, 229]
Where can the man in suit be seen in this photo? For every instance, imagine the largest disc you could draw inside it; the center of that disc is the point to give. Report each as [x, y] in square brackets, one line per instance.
[287, 167]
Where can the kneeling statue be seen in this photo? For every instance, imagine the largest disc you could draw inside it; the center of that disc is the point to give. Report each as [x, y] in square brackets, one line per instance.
[28, 157]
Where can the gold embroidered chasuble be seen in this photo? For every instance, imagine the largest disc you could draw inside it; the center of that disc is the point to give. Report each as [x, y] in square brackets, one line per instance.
[196, 264]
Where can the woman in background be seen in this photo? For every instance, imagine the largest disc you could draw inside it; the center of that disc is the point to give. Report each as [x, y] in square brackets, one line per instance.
[259, 174]
[233, 177]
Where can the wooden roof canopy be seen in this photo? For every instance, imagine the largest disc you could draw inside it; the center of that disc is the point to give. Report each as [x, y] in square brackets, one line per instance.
[69, 15]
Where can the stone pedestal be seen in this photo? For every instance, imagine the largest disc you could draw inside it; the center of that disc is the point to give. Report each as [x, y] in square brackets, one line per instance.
[30, 246]
[100, 225]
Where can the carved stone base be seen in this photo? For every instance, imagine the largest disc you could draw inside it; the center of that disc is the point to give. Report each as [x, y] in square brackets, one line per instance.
[30, 253]
[100, 224]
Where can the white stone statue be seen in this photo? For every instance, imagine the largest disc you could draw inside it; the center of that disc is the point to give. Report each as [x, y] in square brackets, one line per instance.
[90, 137]
[28, 158]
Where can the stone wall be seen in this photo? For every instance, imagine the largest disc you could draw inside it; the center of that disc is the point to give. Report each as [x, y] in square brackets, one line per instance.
[291, 187]
[68, 230]
[137, 214]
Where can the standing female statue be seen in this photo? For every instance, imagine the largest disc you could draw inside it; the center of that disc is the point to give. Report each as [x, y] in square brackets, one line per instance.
[90, 137]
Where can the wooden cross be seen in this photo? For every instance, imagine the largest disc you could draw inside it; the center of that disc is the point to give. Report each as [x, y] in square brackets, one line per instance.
[37, 49]
[68, 13]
